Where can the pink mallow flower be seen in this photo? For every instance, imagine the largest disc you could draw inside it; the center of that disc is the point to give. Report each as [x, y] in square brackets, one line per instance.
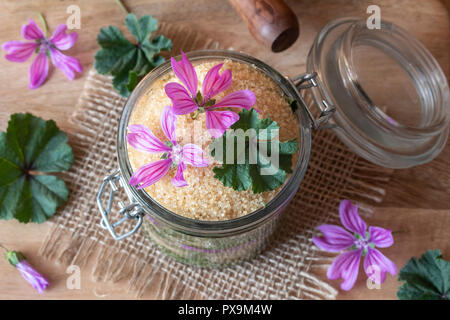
[187, 99]
[361, 243]
[33, 277]
[20, 51]
[174, 155]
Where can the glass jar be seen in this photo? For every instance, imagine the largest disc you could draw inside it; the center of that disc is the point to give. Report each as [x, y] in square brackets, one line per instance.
[204, 243]
[337, 92]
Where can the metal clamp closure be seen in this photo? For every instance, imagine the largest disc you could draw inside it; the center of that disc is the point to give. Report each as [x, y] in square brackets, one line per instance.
[132, 211]
[307, 81]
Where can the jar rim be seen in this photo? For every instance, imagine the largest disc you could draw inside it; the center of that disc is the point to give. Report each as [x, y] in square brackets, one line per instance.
[223, 227]
[398, 34]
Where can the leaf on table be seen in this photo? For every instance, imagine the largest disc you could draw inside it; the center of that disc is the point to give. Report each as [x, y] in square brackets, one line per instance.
[29, 148]
[245, 170]
[427, 278]
[126, 61]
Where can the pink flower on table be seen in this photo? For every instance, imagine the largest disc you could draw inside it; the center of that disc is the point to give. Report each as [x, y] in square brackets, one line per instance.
[187, 99]
[174, 155]
[37, 281]
[20, 51]
[361, 243]
[33, 277]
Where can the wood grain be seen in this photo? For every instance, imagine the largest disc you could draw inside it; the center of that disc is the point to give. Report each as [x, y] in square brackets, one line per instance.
[417, 199]
[271, 22]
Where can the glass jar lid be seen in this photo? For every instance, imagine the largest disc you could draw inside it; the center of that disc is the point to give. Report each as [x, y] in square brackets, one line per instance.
[389, 93]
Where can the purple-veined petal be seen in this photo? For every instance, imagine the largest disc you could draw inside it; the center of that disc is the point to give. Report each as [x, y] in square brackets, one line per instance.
[182, 102]
[169, 124]
[335, 238]
[68, 65]
[142, 138]
[178, 180]
[345, 266]
[61, 39]
[19, 51]
[351, 219]
[377, 264]
[38, 70]
[38, 281]
[194, 155]
[185, 71]
[31, 31]
[217, 122]
[150, 173]
[214, 83]
[381, 237]
[238, 99]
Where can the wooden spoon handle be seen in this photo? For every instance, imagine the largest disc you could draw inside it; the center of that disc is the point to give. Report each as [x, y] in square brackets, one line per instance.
[271, 22]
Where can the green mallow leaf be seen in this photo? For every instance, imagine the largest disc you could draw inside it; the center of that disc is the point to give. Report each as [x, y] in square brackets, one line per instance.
[132, 80]
[141, 29]
[427, 278]
[128, 62]
[252, 162]
[29, 148]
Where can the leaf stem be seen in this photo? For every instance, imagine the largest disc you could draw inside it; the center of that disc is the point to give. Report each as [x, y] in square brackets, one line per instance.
[41, 17]
[122, 6]
[3, 247]
[196, 114]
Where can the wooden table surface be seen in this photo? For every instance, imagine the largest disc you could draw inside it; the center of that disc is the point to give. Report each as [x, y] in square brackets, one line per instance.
[417, 200]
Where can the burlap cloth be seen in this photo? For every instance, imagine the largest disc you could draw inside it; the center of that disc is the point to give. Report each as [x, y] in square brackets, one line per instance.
[285, 270]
